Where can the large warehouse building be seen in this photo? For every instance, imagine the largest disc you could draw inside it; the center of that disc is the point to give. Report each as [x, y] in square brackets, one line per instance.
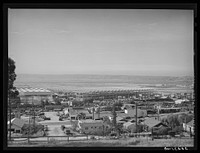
[34, 95]
[114, 93]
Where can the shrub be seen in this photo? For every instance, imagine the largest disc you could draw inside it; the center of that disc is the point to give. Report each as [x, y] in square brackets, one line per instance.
[92, 137]
[162, 131]
[52, 141]
[171, 133]
[134, 142]
[177, 129]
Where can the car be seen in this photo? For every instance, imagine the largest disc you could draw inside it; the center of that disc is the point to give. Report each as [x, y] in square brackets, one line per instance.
[47, 118]
[68, 132]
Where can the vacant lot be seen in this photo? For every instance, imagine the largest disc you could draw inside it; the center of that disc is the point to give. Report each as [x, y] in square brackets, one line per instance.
[128, 142]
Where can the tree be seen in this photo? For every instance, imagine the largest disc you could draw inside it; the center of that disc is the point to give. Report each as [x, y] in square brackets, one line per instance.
[107, 120]
[12, 91]
[114, 120]
[173, 121]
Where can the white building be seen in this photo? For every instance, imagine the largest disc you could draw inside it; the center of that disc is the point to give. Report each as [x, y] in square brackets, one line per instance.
[16, 125]
[189, 127]
[92, 126]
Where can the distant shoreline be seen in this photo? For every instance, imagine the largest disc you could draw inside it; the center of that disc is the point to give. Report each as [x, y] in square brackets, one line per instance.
[109, 75]
[71, 82]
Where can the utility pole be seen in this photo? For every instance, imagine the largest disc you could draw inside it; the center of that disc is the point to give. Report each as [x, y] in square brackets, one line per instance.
[158, 109]
[99, 112]
[136, 115]
[93, 110]
[33, 108]
[28, 128]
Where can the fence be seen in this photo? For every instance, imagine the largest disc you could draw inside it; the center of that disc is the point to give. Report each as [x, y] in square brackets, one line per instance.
[49, 139]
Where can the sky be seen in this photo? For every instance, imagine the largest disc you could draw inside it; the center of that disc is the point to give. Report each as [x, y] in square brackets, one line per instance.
[101, 41]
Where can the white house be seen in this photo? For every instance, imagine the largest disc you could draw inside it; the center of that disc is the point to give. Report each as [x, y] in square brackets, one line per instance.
[92, 126]
[179, 101]
[16, 125]
[189, 127]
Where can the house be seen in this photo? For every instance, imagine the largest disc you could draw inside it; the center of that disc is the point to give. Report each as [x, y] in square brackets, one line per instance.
[151, 123]
[73, 113]
[16, 125]
[127, 106]
[92, 126]
[132, 112]
[130, 126]
[189, 127]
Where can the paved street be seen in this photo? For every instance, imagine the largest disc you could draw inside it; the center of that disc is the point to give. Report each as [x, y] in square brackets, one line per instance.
[54, 125]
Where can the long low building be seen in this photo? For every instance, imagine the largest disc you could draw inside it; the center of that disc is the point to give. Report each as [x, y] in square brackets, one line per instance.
[34, 95]
[113, 93]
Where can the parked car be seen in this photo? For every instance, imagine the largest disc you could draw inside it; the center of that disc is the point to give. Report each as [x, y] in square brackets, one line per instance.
[47, 118]
[62, 127]
[68, 132]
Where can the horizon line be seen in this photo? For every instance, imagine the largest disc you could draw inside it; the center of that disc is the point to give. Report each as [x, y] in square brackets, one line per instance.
[107, 74]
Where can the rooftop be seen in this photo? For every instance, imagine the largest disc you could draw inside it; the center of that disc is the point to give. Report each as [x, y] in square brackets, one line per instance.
[151, 122]
[33, 91]
[191, 123]
[17, 122]
[110, 89]
[90, 121]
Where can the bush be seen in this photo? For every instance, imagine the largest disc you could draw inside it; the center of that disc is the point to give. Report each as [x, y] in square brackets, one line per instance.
[92, 137]
[162, 131]
[113, 134]
[52, 141]
[32, 129]
[134, 142]
[171, 133]
[177, 129]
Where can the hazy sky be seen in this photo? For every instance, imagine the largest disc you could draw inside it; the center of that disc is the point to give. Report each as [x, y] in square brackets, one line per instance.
[101, 41]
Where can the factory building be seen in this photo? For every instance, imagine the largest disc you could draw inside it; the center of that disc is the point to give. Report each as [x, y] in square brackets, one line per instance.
[116, 93]
[34, 95]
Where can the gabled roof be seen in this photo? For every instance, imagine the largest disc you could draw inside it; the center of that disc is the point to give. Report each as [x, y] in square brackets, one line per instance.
[34, 91]
[17, 121]
[151, 122]
[76, 112]
[191, 123]
[128, 124]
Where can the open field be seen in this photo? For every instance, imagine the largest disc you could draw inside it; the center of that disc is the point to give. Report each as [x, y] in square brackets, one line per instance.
[128, 142]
